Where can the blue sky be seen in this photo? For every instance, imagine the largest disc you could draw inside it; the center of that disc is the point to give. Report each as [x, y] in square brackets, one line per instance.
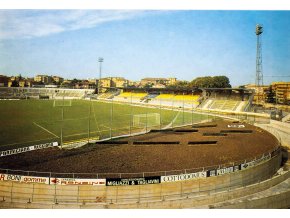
[137, 43]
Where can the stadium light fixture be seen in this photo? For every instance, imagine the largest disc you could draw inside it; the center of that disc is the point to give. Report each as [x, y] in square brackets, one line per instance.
[100, 60]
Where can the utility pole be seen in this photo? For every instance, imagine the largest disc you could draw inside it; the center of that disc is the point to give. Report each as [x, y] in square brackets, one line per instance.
[100, 60]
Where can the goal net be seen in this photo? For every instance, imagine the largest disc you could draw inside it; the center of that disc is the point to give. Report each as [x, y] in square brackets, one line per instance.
[62, 103]
[149, 120]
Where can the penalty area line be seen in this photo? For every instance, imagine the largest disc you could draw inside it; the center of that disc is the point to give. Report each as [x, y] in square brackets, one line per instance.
[45, 129]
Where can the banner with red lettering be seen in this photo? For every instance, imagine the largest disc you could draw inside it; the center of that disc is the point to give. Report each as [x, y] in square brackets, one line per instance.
[74, 181]
[26, 179]
[52, 181]
[35, 179]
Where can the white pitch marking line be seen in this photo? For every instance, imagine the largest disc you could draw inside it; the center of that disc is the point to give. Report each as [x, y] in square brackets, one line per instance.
[170, 124]
[85, 133]
[46, 130]
[105, 126]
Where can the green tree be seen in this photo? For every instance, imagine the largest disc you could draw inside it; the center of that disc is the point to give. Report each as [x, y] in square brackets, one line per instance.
[202, 82]
[148, 85]
[221, 82]
[179, 85]
[131, 86]
[75, 81]
[15, 83]
[211, 82]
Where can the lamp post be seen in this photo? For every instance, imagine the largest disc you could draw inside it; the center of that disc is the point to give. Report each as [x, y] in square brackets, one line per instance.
[100, 60]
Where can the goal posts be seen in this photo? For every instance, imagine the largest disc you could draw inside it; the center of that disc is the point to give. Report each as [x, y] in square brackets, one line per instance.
[146, 120]
[62, 103]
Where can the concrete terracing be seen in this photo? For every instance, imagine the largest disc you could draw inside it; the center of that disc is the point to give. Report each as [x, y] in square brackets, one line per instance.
[274, 197]
[279, 129]
[256, 184]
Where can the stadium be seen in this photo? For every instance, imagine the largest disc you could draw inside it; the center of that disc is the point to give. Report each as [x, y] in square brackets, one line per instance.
[140, 148]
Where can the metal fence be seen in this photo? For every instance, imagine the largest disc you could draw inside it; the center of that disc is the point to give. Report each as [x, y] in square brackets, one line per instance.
[120, 118]
[272, 153]
[10, 192]
[87, 121]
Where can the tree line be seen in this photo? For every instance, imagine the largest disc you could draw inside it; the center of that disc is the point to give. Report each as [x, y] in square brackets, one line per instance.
[204, 82]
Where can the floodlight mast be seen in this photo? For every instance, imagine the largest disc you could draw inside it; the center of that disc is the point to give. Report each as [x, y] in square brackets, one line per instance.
[100, 60]
[259, 71]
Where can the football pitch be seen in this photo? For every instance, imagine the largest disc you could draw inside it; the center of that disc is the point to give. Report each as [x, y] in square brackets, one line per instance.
[31, 122]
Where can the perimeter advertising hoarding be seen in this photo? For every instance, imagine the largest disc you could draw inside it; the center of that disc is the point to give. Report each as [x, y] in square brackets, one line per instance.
[73, 181]
[255, 162]
[52, 181]
[214, 172]
[236, 126]
[243, 166]
[132, 181]
[183, 177]
[210, 173]
[26, 149]
[25, 179]
[226, 170]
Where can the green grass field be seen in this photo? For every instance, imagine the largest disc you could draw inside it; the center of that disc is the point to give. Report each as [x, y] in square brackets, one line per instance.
[30, 122]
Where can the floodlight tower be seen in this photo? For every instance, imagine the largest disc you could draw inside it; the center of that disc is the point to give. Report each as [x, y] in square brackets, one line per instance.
[100, 77]
[259, 71]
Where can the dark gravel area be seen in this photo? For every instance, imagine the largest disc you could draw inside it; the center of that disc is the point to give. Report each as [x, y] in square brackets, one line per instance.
[154, 156]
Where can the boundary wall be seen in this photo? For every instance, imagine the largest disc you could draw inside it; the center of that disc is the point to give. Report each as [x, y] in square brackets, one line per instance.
[163, 195]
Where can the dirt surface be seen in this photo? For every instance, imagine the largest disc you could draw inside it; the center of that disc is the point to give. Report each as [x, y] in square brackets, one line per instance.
[131, 158]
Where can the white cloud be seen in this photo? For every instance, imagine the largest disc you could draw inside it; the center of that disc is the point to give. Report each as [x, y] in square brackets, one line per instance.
[16, 24]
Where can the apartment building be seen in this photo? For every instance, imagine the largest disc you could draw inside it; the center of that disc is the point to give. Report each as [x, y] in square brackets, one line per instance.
[281, 92]
[157, 81]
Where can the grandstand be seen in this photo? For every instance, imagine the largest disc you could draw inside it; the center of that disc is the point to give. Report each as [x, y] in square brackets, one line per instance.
[226, 99]
[208, 99]
[131, 96]
[150, 97]
[165, 96]
[11, 93]
[177, 100]
[108, 94]
[37, 93]
[163, 99]
[224, 105]
[157, 97]
[187, 100]
[229, 105]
